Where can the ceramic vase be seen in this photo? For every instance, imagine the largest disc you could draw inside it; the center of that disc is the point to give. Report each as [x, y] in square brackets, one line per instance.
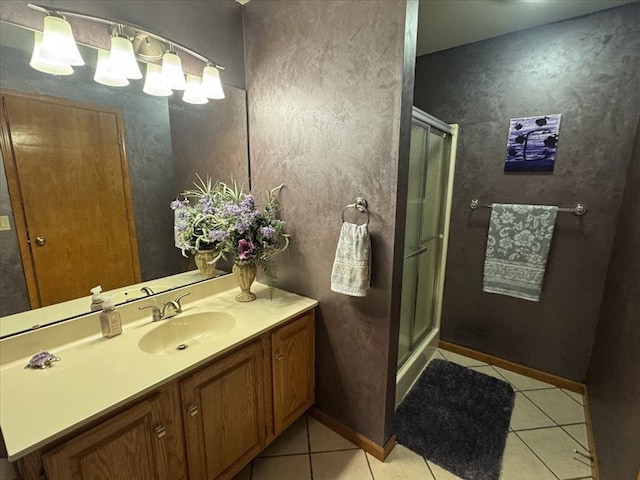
[204, 262]
[245, 274]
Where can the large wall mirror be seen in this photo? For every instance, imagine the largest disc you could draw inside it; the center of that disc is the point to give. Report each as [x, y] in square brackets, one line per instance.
[166, 142]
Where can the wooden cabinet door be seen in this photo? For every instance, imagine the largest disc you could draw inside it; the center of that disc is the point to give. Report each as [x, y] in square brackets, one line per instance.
[130, 446]
[293, 360]
[224, 414]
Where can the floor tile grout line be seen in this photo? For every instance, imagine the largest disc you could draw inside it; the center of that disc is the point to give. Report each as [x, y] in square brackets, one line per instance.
[373, 477]
[536, 455]
[586, 449]
[429, 468]
[306, 424]
[581, 404]
[543, 411]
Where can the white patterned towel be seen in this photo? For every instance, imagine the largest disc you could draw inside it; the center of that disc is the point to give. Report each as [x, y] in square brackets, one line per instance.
[351, 267]
[517, 249]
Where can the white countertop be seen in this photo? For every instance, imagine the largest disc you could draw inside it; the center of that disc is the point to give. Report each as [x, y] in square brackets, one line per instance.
[96, 375]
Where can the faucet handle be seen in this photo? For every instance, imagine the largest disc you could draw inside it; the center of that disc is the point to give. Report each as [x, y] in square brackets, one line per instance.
[177, 300]
[157, 314]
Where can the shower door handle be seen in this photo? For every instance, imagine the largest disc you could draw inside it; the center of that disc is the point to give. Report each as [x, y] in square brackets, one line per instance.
[416, 253]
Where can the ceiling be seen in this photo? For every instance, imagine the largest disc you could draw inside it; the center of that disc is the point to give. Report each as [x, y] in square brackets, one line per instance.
[444, 24]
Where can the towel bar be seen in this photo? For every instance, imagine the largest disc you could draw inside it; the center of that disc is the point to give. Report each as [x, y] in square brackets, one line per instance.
[361, 205]
[579, 210]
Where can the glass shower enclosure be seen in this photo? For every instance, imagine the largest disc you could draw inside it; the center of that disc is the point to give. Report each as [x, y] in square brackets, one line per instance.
[431, 168]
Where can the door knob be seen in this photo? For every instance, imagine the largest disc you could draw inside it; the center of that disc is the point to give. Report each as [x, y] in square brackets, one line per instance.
[279, 356]
[161, 431]
[40, 241]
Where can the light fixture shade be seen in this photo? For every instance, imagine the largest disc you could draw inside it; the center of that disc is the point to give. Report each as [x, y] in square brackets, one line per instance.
[193, 93]
[123, 60]
[44, 65]
[211, 85]
[153, 84]
[172, 74]
[58, 44]
[105, 75]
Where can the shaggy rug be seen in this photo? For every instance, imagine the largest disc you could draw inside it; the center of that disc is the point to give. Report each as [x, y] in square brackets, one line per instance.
[458, 419]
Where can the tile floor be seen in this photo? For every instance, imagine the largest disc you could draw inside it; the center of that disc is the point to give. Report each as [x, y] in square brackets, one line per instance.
[547, 424]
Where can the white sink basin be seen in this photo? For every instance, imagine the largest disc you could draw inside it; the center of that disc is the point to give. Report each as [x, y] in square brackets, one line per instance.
[184, 331]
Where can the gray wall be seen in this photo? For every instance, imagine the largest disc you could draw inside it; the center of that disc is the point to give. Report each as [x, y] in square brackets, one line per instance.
[213, 29]
[614, 372]
[324, 86]
[586, 69]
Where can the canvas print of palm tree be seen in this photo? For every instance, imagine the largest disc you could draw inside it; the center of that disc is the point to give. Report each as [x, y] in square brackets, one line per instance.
[532, 144]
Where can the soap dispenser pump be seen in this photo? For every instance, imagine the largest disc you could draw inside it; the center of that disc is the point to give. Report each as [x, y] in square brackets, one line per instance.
[110, 322]
[96, 299]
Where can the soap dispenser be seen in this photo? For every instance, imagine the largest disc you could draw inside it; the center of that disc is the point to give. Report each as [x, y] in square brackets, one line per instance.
[96, 299]
[110, 322]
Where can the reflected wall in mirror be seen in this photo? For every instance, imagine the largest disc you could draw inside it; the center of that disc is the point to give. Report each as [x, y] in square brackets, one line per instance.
[166, 142]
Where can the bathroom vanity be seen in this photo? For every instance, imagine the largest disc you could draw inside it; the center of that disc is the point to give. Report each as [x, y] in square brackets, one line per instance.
[197, 398]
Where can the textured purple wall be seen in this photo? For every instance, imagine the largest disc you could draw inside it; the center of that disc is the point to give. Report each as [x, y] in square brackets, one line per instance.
[614, 372]
[213, 29]
[586, 69]
[210, 140]
[324, 86]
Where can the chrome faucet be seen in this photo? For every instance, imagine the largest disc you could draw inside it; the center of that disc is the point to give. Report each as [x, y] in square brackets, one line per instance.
[147, 291]
[161, 313]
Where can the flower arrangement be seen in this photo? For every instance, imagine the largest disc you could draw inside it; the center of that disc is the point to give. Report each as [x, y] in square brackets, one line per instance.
[225, 219]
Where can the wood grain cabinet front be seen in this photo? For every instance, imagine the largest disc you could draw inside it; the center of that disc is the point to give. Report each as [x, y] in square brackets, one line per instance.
[293, 357]
[224, 414]
[131, 445]
[206, 425]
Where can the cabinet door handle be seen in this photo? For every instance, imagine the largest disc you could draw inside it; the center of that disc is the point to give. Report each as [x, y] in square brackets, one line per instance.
[161, 431]
[193, 410]
[279, 356]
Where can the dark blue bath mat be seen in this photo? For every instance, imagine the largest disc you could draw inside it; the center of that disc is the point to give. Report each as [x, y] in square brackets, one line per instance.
[458, 419]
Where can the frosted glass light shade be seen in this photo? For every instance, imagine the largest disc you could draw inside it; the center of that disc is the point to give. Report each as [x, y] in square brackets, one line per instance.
[211, 85]
[172, 74]
[193, 93]
[105, 75]
[123, 60]
[44, 65]
[58, 44]
[153, 82]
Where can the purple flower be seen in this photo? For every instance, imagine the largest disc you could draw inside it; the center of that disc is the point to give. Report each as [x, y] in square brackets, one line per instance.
[248, 203]
[218, 235]
[177, 204]
[233, 209]
[245, 248]
[242, 226]
[267, 232]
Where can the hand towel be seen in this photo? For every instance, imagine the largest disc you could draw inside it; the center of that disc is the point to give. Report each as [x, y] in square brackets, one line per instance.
[517, 248]
[351, 267]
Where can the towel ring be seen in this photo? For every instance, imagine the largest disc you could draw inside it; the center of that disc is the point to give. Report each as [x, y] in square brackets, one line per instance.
[361, 205]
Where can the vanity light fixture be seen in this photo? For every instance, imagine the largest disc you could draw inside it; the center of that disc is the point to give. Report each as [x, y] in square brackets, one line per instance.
[122, 60]
[153, 84]
[55, 51]
[193, 93]
[58, 44]
[104, 73]
[47, 66]
[172, 74]
[211, 85]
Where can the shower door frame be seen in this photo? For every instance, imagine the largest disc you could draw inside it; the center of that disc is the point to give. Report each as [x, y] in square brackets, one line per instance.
[418, 359]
